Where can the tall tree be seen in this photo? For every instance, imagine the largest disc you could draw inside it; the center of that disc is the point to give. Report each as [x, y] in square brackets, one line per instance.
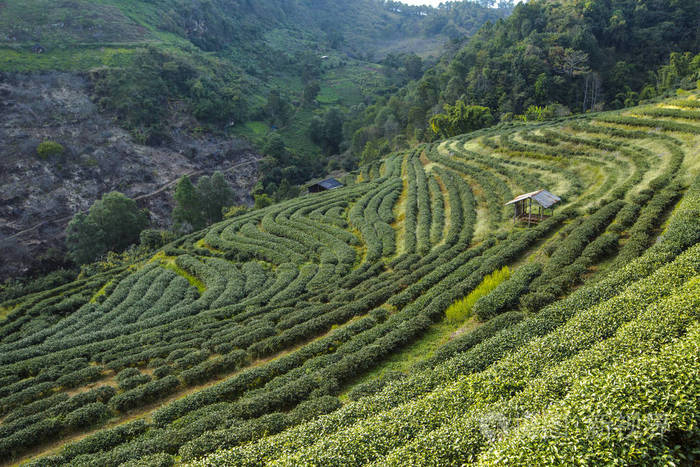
[214, 194]
[568, 61]
[311, 91]
[187, 214]
[333, 131]
[460, 118]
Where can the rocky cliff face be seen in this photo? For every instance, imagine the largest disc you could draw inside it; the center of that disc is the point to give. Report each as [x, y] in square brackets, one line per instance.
[39, 195]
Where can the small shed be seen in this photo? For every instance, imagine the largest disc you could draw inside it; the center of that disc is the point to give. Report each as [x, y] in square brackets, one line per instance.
[524, 210]
[324, 185]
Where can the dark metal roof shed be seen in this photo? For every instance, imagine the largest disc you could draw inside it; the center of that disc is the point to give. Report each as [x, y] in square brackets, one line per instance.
[324, 185]
[330, 183]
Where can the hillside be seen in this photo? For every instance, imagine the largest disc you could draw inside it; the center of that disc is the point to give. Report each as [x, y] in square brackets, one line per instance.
[564, 56]
[314, 331]
[221, 60]
[139, 93]
[39, 195]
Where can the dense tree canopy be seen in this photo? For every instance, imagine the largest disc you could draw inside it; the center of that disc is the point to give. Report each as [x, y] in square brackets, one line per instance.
[582, 55]
[202, 204]
[460, 118]
[187, 214]
[112, 224]
[215, 193]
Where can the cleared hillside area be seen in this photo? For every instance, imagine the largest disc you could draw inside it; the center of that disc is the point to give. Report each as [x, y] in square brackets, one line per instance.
[251, 342]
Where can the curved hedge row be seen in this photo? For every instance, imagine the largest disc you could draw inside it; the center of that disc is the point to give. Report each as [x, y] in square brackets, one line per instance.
[507, 294]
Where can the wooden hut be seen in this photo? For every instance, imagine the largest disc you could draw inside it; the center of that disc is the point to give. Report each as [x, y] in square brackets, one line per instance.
[524, 211]
[324, 185]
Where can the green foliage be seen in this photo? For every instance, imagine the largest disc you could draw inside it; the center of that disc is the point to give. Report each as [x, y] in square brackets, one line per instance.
[311, 91]
[460, 118]
[49, 149]
[682, 71]
[581, 56]
[262, 201]
[332, 131]
[507, 293]
[187, 213]
[462, 309]
[143, 394]
[255, 325]
[14, 288]
[536, 113]
[139, 94]
[203, 204]
[373, 151]
[215, 194]
[153, 239]
[234, 211]
[112, 224]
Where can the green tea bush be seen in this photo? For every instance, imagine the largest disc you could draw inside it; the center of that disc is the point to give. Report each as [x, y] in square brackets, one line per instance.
[507, 293]
[154, 460]
[130, 383]
[87, 416]
[144, 394]
[639, 431]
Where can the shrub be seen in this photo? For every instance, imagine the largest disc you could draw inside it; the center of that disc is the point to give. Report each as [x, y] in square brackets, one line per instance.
[49, 149]
[154, 460]
[130, 383]
[112, 224]
[127, 373]
[374, 385]
[87, 416]
[154, 239]
[104, 440]
[144, 394]
[81, 377]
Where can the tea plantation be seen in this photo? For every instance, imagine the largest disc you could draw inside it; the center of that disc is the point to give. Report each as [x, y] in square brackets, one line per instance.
[247, 343]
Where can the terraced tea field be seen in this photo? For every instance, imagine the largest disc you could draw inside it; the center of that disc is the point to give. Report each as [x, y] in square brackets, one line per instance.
[247, 342]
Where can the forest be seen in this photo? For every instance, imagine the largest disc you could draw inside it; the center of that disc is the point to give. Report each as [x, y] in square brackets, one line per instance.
[569, 57]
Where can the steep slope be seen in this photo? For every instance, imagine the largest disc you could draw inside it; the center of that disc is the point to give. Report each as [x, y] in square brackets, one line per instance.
[251, 329]
[141, 92]
[39, 195]
[223, 58]
[572, 55]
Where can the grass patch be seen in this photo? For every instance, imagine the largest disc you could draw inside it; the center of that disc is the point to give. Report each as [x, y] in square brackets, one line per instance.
[80, 59]
[168, 262]
[400, 211]
[100, 292]
[460, 310]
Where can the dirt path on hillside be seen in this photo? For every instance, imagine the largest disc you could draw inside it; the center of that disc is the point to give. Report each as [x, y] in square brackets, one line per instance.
[169, 184]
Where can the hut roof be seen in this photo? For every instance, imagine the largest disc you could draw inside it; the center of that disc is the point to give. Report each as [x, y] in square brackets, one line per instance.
[543, 197]
[328, 184]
